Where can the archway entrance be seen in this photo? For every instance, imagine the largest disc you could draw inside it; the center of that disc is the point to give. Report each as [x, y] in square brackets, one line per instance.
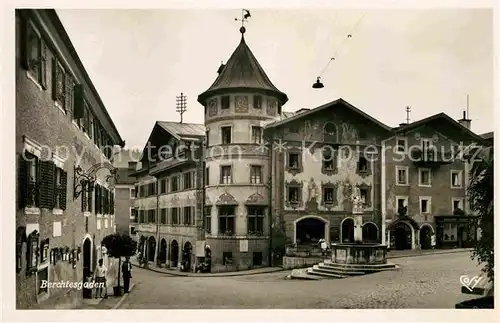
[309, 231]
[174, 253]
[87, 258]
[370, 232]
[151, 248]
[163, 251]
[347, 229]
[402, 236]
[186, 256]
[425, 237]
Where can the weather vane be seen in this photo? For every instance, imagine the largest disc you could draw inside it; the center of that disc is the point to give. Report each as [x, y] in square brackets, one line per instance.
[245, 14]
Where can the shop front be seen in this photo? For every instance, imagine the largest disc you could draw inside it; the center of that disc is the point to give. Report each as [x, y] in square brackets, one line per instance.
[454, 231]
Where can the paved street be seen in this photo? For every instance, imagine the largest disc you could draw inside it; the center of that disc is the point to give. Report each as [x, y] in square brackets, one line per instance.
[422, 282]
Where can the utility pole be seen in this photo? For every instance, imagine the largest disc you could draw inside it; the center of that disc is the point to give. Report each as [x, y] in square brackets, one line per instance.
[181, 104]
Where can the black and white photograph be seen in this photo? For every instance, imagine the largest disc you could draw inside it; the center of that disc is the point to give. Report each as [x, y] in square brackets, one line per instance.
[246, 157]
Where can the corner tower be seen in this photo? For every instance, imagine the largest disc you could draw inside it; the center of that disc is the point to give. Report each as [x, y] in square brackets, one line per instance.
[240, 102]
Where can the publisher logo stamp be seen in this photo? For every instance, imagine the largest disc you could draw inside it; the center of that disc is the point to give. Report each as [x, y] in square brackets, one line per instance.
[470, 282]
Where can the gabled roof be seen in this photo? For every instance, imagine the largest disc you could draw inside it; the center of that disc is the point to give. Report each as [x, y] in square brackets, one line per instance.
[183, 130]
[337, 102]
[242, 71]
[487, 135]
[440, 116]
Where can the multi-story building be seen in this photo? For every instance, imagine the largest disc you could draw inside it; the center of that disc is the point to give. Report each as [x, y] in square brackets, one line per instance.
[64, 139]
[268, 170]
[125, 162]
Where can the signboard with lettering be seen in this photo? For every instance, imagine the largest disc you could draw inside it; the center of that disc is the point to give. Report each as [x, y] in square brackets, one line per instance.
[243, 245]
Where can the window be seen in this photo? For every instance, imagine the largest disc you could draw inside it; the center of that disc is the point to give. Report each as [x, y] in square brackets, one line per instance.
[225, 175]
[141, 217]
[365, 198]
[450, 231]
[29, 180]
[227, 258]
[329, 160]
[401, 145]
[163, 216]
[458, 204]
[187, 216]
[402, 175]
[425, 205]
[208, 219]
[133, 193]
[188, 180]
[226, 135]
[42, 276]
[173, 184]
[256, 135]
[32, 252]
[257, 102]
[59, 84]
[225, 102]
[44, 250]
[35, 57]
[151, 216]
[456, 179]
[132, 231]
[402, 205]
[255, 220]
[328, 195]
[207, 176]
[293, 194]
[175, 215]
[257, 259]
[226, 220]
[427, 149]
[424, 177]
[255, 174]
[293, 160]
[133, 214]
[362, 165]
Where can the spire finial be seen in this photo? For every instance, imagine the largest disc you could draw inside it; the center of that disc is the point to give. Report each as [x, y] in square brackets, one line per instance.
[245, 14]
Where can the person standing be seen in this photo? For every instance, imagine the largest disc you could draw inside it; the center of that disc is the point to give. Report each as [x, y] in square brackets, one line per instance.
[433, 241]
[127, 274]
[323, 247]
[100, 278]
[208, 258]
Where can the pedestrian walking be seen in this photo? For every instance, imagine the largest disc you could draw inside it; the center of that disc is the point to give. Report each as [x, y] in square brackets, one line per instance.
[433, 241]
[127, 274]
[100, 278]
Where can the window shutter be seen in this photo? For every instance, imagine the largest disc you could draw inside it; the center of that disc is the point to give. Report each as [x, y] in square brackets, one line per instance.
[112, 203]
[63, 190]
[22, 181]
[78, 103]
[89, 202]
[69, 94]
[24, 40]
[47, 186]
[43, 64]
[96, 198]
[54, 79]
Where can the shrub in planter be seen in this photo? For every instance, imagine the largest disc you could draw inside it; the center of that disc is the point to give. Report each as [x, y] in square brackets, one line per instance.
[119, 245]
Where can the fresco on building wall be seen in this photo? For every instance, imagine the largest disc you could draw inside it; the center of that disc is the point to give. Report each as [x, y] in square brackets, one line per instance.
[272, 107]
[212, 108]
[241, 104]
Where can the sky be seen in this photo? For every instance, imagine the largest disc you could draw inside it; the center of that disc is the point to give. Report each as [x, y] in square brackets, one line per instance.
[428, 59]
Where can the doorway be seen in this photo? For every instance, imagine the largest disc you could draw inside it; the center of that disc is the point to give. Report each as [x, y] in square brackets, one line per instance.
[174, 254]
[347, 229]
[151, 248]
[309, 231]
[186, 256]
[425, 237]
[370, 233]
[163, 251]
[87, 263]
[402, 236]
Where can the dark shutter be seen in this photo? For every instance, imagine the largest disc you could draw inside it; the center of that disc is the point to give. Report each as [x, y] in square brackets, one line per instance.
[43, 63]
[96, 198]
[78, 103]
[24, 40]
[112, 203]
[63, 190]
[47, 169]
[69, 94]
[22, 181]
[54, 79]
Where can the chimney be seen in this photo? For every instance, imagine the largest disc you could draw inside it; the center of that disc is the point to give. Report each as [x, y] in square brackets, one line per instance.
[132, 165]
[221, 68]
[466, 122]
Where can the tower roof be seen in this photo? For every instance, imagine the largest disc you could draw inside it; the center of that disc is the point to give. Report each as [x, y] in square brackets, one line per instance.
[242, 72]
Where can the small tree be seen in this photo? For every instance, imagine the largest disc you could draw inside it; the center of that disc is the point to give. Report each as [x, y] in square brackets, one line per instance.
[120, 245]
[481, 195]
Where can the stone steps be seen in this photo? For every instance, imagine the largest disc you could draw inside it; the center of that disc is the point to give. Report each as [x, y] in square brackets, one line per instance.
[359, 267]
[323, 273]
[338, 270]
[331, 270]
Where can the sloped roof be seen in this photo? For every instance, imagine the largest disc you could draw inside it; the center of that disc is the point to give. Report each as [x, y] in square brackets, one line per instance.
[183, 130]
[242, 71]
[297, 116]
[440, 116]
[487, 135]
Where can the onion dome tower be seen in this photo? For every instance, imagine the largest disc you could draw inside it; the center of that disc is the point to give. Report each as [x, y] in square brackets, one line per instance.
[238, 105]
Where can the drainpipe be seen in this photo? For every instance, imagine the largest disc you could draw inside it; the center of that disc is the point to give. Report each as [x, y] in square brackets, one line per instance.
[383, 194]
[270, 200]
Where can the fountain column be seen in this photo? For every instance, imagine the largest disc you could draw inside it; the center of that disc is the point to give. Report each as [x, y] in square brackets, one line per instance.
[357, 212]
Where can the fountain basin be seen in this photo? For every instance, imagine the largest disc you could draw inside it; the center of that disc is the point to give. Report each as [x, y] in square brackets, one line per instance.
[359, 253]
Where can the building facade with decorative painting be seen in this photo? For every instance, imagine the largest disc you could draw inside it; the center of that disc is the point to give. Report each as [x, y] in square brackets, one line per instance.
[64, 201]
[265, 171]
